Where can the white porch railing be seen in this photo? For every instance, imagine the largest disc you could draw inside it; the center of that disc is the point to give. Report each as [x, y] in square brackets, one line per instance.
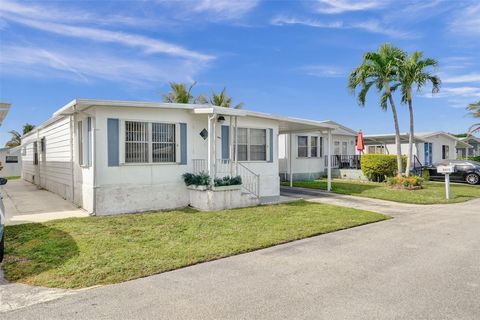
[225, 167]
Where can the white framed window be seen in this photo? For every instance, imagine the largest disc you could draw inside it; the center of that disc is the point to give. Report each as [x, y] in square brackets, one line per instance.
[376, 149]
[344, 148]
[313, 146]
[445, 152]
[149, 142]
[11, 159]
[252, 144]
[309, 146]
[336, 147]
[80, 145]
[302, 146]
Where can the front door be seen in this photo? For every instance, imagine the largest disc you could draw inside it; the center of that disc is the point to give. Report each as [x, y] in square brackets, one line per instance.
[427, 153]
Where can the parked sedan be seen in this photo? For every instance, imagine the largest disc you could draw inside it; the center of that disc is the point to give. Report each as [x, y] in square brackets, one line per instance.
[2, 221]
[465, 171]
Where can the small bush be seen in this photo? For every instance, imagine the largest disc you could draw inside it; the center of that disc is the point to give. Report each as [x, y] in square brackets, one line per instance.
[378, 166]
[425, 174]
[410, 182]
[228, 181]
[201, 179]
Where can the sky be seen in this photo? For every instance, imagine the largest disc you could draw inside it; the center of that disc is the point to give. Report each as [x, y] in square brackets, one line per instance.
[282, 57]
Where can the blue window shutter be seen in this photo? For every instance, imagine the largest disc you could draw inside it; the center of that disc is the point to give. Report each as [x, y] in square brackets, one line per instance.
[113, 133]
[89, 141]
[270, 134]
[225, 142]
[183, 143]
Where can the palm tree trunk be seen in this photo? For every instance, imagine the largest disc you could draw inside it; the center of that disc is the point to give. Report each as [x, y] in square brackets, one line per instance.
[410, 139]
[397, 136]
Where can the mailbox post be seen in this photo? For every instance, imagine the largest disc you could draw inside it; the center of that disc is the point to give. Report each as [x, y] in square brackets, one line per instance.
[446, 170]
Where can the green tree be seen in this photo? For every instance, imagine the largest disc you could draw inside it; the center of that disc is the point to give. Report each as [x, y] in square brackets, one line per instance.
[415, 71]
[474, 111]
[180, 93]
[220, 99]
[27, 127]
[380, 69]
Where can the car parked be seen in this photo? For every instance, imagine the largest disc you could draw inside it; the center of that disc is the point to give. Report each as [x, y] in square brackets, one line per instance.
[465, 171]
[2, 222]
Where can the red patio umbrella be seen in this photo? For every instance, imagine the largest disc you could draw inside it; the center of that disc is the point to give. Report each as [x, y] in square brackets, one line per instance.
[360, 143]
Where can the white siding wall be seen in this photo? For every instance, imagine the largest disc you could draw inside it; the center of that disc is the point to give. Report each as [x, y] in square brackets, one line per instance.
[10, 169]
[54, 169]
[309, 168]
[143, 187]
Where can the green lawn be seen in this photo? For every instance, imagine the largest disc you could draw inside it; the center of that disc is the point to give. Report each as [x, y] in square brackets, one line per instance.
[82, 252]
[432, 193]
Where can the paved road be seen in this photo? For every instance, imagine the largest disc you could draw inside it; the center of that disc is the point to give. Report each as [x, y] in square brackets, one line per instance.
[423, 264]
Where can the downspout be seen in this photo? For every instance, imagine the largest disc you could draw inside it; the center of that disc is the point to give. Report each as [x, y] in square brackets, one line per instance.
[72, 129]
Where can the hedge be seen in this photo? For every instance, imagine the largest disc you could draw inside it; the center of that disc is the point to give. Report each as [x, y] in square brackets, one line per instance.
[378, 166]
[473, 158]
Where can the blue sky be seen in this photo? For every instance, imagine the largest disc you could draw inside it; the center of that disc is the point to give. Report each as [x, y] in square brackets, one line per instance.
[283, 57]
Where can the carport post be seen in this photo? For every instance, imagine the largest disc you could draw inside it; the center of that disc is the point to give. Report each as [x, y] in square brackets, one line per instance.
[329, 161]
[290, 158]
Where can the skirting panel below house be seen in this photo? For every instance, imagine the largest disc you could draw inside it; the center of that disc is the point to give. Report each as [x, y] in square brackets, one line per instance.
[349, 174]
[302, 176]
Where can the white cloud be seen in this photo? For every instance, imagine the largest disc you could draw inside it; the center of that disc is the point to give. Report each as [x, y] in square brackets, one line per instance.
[322, 71]
[372, 26]
[224, 8]
[471, 77]
[149, 45]
[84, 65]
[464, 92]
[340, 6]
[467, 20]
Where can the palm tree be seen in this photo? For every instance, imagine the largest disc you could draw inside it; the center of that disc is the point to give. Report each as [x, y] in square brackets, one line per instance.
[180, 94]
[27, 127]
[474, 111]
[220, 99]
[380, 68]
[413, 72]
[15, 140]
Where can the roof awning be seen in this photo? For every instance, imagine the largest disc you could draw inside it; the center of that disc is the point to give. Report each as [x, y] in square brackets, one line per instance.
[387, 139]
[4, 108]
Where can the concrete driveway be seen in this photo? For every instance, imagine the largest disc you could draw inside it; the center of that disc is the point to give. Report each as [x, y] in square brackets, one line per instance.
[24, 203]
[423, 264]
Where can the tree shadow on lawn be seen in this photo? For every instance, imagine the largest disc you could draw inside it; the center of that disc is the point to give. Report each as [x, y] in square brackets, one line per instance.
[33, 248]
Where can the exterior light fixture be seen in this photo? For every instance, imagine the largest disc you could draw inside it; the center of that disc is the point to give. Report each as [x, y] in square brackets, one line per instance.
[221, 119]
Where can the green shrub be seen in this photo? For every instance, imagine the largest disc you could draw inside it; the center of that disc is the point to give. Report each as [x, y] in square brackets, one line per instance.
[410, 182]
[201, 179]
[228, 181]
[425, 174]
[474, 158]
[378, 166]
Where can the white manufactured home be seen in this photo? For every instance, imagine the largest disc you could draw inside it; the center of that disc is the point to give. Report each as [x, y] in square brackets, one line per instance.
[429, 147]
[113, 157]
[303, 155]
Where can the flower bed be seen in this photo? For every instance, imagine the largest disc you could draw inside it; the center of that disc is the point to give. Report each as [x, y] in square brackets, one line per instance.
[409, 183]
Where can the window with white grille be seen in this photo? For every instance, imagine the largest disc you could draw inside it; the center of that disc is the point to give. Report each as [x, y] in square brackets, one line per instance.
[258, 144]
[252, 144]
[80, 142]
[147, 142]
[302, 146]
[313, 146]
[163, 142]
[136, 142]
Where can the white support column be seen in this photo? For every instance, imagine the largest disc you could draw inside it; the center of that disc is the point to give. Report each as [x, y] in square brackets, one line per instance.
[214, 147]
[290, 156]
[230, 146]
[329, 161]
[209, 144]
[236, 145]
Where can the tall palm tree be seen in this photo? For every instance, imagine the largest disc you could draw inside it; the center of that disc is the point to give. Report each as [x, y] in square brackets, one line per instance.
[15, 140]
[414, 71]
[380, 69]
[474, 111]
[180, 93]
[220, 99]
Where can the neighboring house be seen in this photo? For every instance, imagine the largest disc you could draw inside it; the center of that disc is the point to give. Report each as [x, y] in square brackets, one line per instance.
[429, 147]
[308, 157]
[11, 162]
[472, 151]
[113, 157]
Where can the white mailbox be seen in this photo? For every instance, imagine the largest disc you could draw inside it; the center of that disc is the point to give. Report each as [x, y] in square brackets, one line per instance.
[446, 169]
